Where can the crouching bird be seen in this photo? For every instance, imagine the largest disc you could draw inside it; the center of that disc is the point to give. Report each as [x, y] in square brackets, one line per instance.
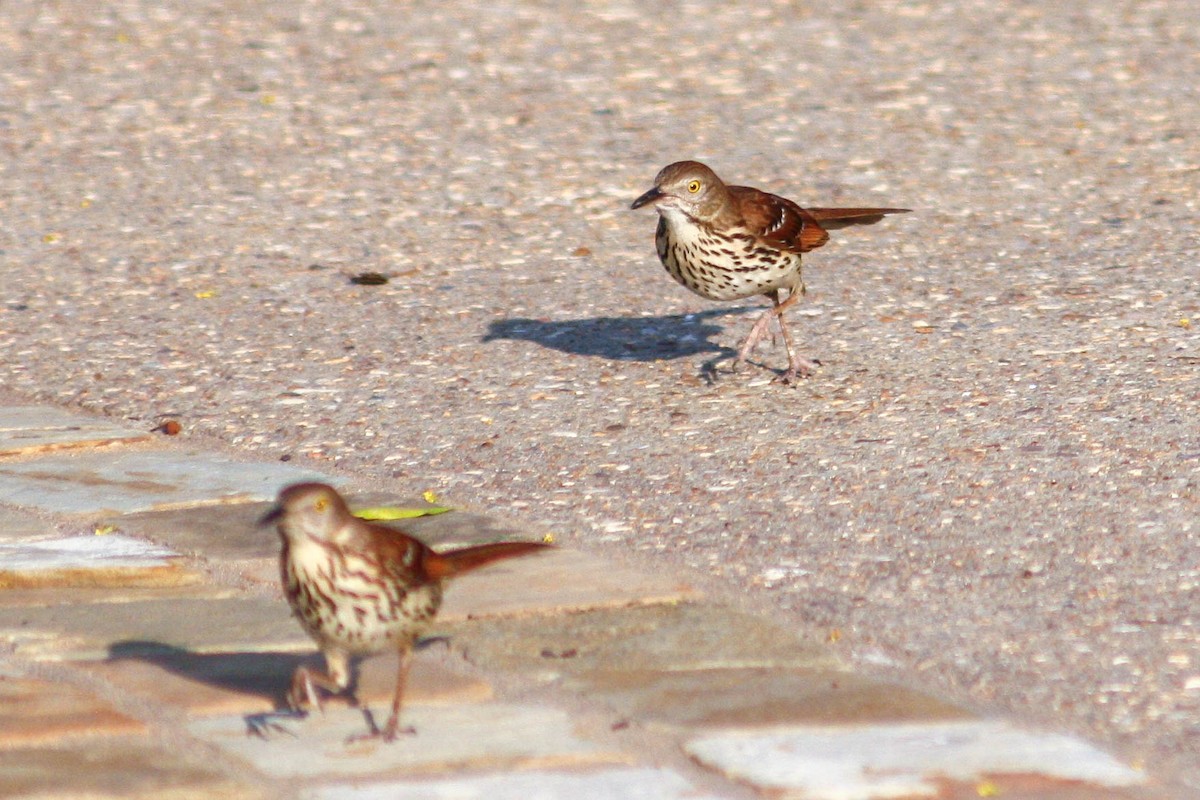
[729, 242]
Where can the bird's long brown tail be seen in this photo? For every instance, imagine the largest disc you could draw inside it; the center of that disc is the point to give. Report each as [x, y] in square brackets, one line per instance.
[456, 562]
[834, 218]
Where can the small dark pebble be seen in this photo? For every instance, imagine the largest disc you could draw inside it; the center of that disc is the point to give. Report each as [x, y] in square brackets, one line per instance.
[369, 279]
[170, 427]
[548, 653]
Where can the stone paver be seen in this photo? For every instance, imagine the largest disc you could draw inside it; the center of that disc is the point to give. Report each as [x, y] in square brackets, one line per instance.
[112, 560]
[117, 768]
[14, 598]
[559, 581]
[206, 684]
[36, 712]
[684, 636]
[905, 760]
[474, 736]
[36, 429]
[250, 624]
[459, 528]
[113, 481]
[19, 526]
[755, 698]
[227, 532]
[606, 784]
[231, 532]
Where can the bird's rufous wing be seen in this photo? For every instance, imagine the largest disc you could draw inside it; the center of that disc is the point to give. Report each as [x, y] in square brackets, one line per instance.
[777, 220]
[395, 552]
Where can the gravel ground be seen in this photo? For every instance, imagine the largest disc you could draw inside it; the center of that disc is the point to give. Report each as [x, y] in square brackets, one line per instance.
[991, 484]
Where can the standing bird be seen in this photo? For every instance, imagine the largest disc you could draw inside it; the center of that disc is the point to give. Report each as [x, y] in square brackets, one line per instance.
[359, 588]
[729, 242]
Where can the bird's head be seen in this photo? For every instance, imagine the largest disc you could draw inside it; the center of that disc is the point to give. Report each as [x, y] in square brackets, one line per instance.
[311, 509]
[686, 186]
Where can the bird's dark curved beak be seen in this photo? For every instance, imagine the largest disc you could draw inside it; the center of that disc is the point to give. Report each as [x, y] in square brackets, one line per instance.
[271, 516]
[648, 197]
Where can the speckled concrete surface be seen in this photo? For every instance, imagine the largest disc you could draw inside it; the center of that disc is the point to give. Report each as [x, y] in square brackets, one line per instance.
[989, 487]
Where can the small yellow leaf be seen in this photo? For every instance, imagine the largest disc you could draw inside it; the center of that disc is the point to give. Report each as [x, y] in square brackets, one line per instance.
[548, 538]
[429, 496]
[51, 238]
[395, 512]
[205, 294]
[85, 203]
[987, 789]
[105, 530]
[1185, 323]
[835, 636]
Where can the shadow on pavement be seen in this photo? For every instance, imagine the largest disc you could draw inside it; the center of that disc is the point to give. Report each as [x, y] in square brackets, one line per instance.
[265, 674]
[624, 338]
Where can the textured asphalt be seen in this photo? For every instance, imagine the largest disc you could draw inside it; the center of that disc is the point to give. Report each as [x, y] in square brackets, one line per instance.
[990, 486]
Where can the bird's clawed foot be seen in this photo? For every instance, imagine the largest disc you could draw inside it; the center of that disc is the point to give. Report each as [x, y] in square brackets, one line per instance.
[797, 369]
[381, 736]
[388, 733]
[264, 726]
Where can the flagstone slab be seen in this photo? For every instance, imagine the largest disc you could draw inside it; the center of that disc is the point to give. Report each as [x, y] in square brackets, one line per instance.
[39, 712]
[232, 532]
[629, 783]
[470, 736]
[250, 624]
[121, 768]
[456, 528]
[207, 684]
[558, 581]
[757, 697]
[684, 636]
[112, 560]
[227, 532]
[554, 581]
[907, 760]
[36, 429]
[127, 481]
[21, 526]
[86, 595]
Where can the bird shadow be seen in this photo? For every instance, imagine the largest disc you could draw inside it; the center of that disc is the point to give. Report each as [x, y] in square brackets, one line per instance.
[261, 675]
[265, 675]
[658, 338]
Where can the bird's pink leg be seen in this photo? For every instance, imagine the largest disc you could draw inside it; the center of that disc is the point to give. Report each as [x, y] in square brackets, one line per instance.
[798, 367]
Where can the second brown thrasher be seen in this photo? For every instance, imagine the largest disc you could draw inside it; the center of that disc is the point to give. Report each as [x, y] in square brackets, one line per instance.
[729, 242]
[360, 588]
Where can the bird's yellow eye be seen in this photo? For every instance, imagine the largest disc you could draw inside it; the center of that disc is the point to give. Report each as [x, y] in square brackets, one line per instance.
[321, 504]
[693, 186]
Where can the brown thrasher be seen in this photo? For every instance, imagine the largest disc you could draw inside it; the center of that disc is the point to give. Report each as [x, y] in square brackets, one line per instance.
[359, 588]
[729, 242]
